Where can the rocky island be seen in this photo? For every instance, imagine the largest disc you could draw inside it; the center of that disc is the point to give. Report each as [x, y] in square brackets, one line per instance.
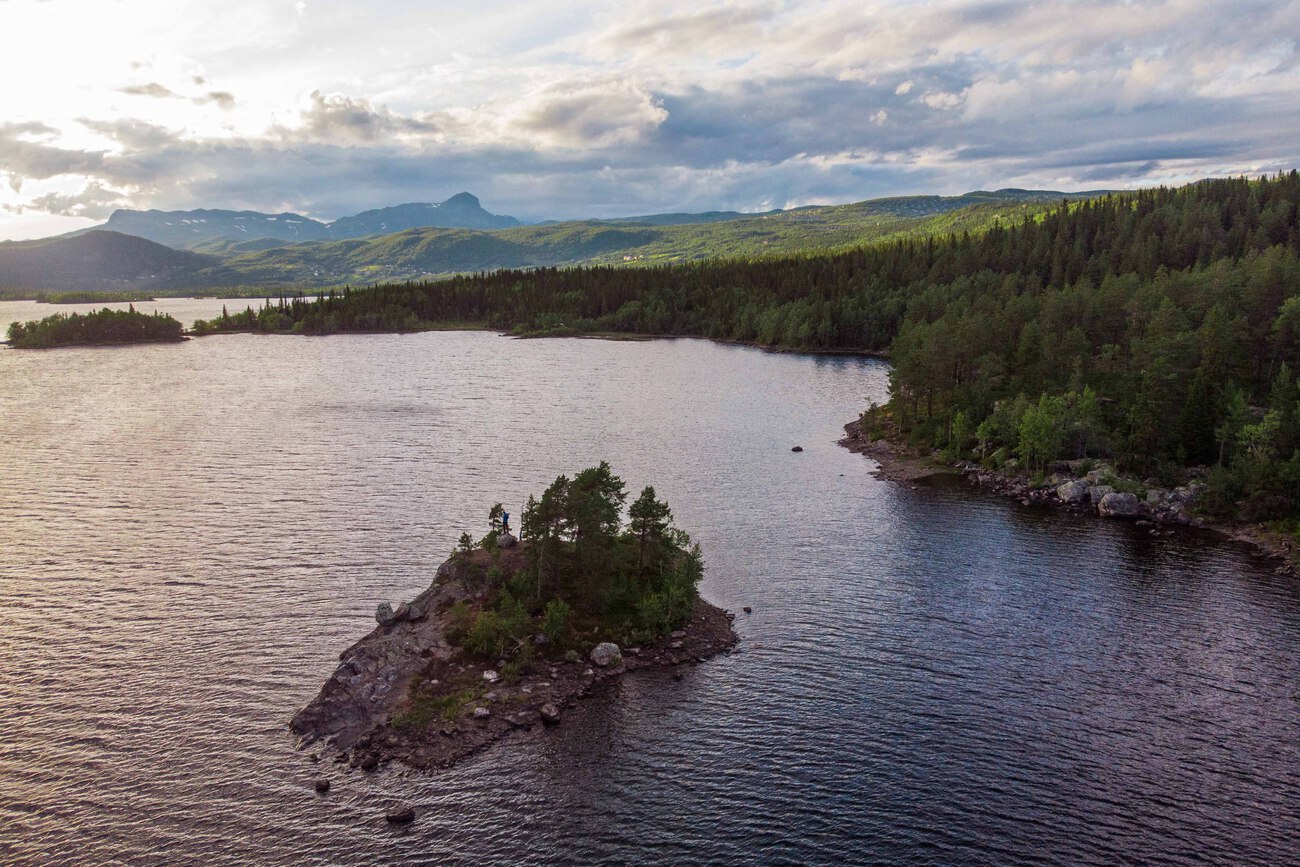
[512, 633]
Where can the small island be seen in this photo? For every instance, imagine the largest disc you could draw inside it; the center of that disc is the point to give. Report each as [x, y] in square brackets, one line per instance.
[513, 631]
[97, 328]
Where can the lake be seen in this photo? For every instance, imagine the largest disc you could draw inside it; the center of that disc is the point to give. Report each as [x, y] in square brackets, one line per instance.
[191, 533]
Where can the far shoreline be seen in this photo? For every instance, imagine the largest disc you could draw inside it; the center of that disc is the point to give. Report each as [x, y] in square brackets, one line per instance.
[903, 464]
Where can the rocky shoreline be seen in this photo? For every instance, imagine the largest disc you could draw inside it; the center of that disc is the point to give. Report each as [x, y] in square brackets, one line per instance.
[404, 693]
[1159, 509]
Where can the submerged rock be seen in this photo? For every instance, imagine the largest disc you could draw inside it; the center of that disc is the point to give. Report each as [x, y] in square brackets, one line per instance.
[606, 653]
[402, 814]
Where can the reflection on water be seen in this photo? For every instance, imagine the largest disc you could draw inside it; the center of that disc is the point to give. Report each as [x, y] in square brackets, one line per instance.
[192, 532]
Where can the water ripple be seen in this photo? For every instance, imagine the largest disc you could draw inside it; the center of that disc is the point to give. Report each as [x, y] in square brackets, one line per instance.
[191, 534]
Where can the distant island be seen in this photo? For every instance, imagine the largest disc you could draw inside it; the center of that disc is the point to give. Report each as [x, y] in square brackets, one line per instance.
[97, 328]
[514, 630]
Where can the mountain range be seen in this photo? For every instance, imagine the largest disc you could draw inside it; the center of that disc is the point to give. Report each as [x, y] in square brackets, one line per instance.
[200, 229]
[219, 249]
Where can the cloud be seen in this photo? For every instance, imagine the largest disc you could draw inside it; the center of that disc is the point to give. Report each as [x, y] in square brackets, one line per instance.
[153, 90]
[676, 104]
[587, 116]
[23, 158]
[221, 98]
[339, 118]
[95, 201]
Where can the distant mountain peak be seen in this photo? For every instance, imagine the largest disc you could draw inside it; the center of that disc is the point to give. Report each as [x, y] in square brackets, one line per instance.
[468, 199]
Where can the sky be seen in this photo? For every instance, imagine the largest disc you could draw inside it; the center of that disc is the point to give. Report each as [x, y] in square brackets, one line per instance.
[551, 110]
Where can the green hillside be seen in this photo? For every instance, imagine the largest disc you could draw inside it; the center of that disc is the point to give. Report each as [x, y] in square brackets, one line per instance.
[426, 253]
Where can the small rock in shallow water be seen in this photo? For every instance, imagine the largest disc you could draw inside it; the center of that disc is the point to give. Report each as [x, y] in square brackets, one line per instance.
[322, 785]
[747, 610]
[797, 449]
[402, 814]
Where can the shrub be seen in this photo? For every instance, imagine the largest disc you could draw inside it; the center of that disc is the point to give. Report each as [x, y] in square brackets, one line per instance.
[555, 620]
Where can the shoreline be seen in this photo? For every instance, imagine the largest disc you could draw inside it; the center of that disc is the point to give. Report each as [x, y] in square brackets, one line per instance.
[404, 693]
[900, 463]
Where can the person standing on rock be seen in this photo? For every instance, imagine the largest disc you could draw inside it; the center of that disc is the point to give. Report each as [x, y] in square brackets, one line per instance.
[505, 523]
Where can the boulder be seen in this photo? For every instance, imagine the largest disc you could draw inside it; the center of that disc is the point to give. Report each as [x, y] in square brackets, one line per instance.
[1072, 492]
[383, 613]
[550, 714]
[1117, 505]
[1097, 493]
[491, 676]
[402, 814]
[482, 713]
[606, 653]
[506, 540]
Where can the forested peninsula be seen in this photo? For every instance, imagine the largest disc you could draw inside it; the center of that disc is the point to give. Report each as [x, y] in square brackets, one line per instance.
[1159, 330]
[96, 328]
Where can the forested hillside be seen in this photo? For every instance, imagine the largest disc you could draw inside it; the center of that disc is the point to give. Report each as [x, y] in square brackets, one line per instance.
[1161, 328]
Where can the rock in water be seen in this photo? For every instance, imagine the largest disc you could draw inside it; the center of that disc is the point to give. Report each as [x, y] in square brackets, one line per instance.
[505, 540]
[797, 449]
[402, 814]
[1072, 492]
[1117, 505]
[322, 785]
[606, 653]
[550, 714]
[383, 613]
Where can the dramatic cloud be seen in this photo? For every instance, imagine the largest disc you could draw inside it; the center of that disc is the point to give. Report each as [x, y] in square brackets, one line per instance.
[597, 110]
[95, 202]
[590, 116]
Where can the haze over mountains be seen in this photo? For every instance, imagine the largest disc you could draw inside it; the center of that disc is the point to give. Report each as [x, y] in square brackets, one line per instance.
[213, 249]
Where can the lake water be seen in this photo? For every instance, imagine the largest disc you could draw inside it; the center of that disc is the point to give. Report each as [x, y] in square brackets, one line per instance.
[190, 534]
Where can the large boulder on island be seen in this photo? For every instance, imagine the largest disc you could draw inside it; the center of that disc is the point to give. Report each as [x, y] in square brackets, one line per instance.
[506, 540]
[1072, 492]
[1118, 505]
[1097, 493]
[605, 654]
